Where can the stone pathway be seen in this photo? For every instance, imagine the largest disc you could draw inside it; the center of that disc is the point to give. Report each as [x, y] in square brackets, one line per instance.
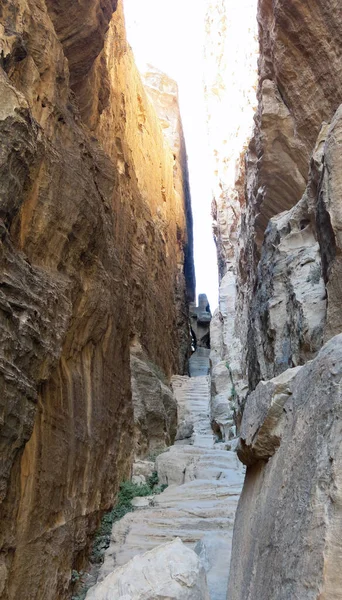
[204, 483]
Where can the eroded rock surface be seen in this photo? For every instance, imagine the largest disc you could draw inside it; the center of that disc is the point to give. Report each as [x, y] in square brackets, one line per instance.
[95, 253]
[288, 527]
[296, 94]
[289, 306]
[154, 407]
[168, 572]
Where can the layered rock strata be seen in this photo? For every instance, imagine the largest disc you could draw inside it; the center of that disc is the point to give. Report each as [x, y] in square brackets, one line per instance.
[230, 77]
[299, 89]
[95, 256]
[284, 306]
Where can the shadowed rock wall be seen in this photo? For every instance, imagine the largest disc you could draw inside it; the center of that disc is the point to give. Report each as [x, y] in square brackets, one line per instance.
[92, 252]
[285, 310]
[299, 88]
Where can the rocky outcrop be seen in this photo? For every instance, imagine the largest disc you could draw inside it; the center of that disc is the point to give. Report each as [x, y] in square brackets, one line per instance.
[288, 527]
[95, 255]
[169, 572]
[296, 94]
[154, 407]
[286, 299]
[230, 78]
[288, 307]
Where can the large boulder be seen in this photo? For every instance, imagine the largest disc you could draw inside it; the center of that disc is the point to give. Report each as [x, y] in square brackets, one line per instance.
[169, 572]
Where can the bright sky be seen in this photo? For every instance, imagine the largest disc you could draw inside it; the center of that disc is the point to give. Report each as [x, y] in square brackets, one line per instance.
[170, 36]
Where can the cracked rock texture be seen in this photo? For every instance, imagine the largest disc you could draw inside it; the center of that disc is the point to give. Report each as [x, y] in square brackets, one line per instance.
[299, 88]
[284, 311]
[95, 253]
[171, 571]
[287, 535]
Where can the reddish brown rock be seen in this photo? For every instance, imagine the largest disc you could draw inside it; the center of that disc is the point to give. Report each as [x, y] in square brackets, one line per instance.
[93, 249]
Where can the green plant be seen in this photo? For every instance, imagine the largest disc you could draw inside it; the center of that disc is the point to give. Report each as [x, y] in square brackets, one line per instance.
[153, 480]
[233, 391]
[128, 490]
[75, 576]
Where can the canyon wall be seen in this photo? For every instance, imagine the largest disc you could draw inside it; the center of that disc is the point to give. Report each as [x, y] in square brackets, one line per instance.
[96, 259]
[282, 311]
[230, 78]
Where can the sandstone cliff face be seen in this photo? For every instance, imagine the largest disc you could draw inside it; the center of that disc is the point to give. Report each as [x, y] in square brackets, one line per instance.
[268, 318]
[95, 255]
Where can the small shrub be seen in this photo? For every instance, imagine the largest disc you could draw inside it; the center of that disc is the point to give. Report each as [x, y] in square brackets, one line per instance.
[128, 491]
[153, 480]
[75, 576]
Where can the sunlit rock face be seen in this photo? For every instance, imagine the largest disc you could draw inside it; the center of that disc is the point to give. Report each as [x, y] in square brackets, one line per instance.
[230, 76]
[95, 255]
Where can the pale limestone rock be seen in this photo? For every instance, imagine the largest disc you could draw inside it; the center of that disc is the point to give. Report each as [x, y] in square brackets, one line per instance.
[288, 530]
[329, 224]
[288, 309]
[169, 572]
[142, 501]
[228, 385]
[264, 418]
[204, 482]
[138, 479]
[143, 468]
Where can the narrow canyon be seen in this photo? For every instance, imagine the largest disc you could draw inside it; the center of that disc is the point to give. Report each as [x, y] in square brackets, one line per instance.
[154, 447]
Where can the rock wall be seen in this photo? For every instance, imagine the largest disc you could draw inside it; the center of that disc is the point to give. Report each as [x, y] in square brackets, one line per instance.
[282, 311]
[230, 78]
[299, 89]
[95, 256]
[274, 313]
[287, 535]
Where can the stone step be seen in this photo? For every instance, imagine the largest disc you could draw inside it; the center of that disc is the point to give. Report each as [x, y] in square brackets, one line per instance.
[199, 504]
